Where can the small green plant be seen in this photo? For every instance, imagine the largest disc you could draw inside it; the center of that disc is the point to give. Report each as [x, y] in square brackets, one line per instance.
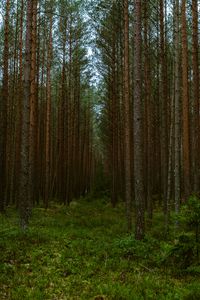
[193, 292]
[184, 252]
[190, 215]
[181, 255]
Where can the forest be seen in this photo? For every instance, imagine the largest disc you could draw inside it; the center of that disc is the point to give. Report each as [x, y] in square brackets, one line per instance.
[99, 149]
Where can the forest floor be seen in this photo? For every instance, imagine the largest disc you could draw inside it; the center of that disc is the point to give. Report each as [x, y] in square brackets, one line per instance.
[84, 252]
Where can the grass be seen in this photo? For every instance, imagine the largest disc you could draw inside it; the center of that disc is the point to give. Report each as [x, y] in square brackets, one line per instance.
[84, 252]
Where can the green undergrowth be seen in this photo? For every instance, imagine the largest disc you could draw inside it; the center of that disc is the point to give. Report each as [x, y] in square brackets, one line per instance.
[84, 252]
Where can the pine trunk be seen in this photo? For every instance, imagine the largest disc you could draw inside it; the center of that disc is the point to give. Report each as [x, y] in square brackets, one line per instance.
[127, 132]
[138, 127]
[185, 106]
[24, 191]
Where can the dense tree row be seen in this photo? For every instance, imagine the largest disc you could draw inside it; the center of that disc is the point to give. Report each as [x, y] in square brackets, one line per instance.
[144, 128]
[46, 104]
[149, 65]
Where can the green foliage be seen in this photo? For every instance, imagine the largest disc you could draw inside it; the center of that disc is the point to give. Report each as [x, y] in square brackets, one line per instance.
[193, 292]
[82, 252]
[190, 215]
[130, 247]
[183, 254]
[190, 212]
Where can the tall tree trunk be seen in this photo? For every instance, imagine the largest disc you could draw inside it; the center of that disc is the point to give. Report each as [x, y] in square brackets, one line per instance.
[33, 106]
[164, 100]
[185, 103]
[138, 127]
[3, 112]
[24, 191]
[12, 120]
[177, 103]
[48, 118]
[148, 110]
[196, 125]
[19, 108]
[127, 131]
[170, 161]
[114, 195]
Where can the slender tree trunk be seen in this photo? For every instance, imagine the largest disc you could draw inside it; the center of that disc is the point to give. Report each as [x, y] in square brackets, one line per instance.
[41, 143]
[12, 121]
[177, 103]
[164, 100]
[48, 118]
[185, 103]
[62, 137]
[19, 109]
[114, 196]
[170, 161]
[24, 192]
[3, 112]
[138, 127]
[36, 193]
[127, 108]
[196, 125]
[149, 112]
[33, 106]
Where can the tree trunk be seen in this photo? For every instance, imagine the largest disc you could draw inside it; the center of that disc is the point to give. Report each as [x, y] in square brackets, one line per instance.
[127, 108]
[138, 127]
[177, 121]
[33, 106]
[185, 105]
[48, 118]
[24, 191]
[164, 110]
[19, 109]
[195, 123]
[148, 114]
[3, 112]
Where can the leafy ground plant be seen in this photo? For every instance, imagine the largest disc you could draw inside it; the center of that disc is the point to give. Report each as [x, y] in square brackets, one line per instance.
[83, 252]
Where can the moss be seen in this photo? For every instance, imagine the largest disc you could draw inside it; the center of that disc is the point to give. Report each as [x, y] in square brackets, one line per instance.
[84, 252]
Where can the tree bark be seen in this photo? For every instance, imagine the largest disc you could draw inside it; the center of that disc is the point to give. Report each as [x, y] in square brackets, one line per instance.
[33, 106]
[164, 110]
[177, 104]
[3, 112]
[127, 108]
[48, 118]
[138, 127]
[185, 105]
[24, 191]
[196, 126]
